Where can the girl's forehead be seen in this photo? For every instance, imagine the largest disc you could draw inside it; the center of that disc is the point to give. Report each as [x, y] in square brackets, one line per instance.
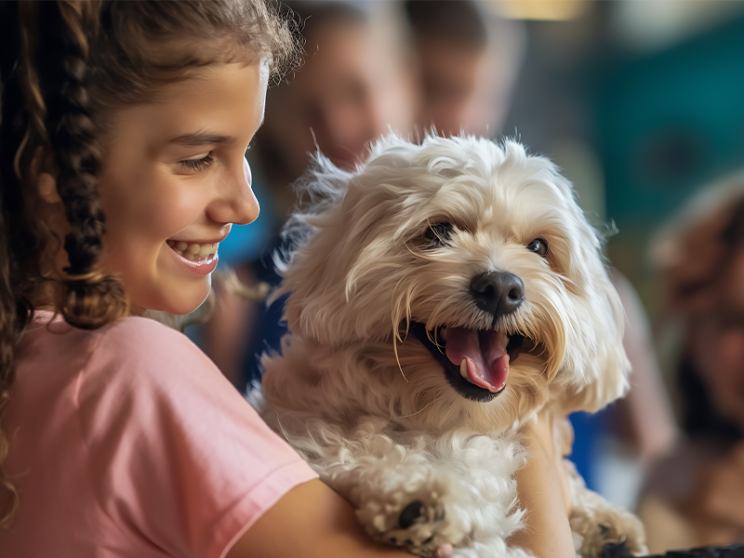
[225, 99]
[196, 82]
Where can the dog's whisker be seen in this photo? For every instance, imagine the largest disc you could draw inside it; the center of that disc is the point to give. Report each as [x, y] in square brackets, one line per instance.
[397, 358]
[416, 413]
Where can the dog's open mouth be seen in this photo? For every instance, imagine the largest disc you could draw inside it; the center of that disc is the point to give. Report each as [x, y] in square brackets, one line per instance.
[476, 361]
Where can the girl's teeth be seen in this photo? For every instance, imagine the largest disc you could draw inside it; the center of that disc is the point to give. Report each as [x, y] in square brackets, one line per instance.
[205, 250]
[193, 251]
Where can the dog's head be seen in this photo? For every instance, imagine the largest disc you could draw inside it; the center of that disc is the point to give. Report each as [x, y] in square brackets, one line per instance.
[472, 262]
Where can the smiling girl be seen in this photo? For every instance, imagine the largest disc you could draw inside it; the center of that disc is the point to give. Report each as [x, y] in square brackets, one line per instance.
[122, 140]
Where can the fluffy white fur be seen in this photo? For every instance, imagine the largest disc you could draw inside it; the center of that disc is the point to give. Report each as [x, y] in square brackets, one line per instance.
[366, 403]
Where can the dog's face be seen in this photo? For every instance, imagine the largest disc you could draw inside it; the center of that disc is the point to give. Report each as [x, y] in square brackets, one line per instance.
[472, 266]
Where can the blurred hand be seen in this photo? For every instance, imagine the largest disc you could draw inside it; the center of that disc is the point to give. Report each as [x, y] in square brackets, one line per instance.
[551, 439]
[542, 485]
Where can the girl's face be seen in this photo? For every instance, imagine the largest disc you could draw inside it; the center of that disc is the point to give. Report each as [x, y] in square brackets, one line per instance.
[173, 180]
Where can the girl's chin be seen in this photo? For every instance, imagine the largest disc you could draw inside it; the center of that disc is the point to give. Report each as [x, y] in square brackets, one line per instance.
[178, 300]
[188, 305]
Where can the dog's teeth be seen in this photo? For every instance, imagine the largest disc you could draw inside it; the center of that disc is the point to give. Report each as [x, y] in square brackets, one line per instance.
[464, 368]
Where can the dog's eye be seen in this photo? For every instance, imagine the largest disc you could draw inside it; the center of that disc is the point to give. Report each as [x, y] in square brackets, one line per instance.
[538, 246]
[439, 234]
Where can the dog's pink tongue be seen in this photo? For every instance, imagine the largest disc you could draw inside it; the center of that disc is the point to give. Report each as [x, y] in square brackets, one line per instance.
[485, 354]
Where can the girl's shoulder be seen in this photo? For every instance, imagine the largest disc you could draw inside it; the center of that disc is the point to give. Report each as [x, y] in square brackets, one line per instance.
[145, 331]
[145, 354]
[144, 340]
[133, 354]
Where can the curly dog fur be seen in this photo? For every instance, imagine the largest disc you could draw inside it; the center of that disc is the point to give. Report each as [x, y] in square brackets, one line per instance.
[439, 296]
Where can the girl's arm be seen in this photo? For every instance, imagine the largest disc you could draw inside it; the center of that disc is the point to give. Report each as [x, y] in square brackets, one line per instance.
[543, 491]
[312, 520]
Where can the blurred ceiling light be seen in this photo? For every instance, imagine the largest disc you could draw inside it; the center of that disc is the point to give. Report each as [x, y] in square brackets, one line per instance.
[546, 10]
[648, 25]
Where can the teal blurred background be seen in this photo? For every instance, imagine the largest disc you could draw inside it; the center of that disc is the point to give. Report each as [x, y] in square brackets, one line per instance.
[642, 103]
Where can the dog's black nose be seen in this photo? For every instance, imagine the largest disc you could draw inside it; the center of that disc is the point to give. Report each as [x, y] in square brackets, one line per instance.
[497, 292]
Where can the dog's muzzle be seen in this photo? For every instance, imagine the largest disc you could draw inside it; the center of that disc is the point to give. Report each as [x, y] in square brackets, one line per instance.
[476, 361]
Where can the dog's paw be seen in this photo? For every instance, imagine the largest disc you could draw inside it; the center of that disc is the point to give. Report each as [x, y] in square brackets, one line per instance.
[422, 526]
[419, 529]
[609, 531]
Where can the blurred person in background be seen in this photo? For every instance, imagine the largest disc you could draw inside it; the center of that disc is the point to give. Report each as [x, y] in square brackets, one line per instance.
[354, 85]
[468, 61]
[695, 496]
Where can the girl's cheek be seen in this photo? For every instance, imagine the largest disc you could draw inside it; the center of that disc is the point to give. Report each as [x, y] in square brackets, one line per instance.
[173, 210]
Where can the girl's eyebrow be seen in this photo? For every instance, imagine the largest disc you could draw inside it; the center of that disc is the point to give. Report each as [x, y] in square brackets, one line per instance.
[202, 138]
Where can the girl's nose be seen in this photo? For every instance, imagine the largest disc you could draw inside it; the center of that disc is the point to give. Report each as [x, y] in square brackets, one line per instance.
[237, 203]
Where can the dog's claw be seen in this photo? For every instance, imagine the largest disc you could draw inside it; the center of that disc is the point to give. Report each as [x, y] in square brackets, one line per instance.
[410, 513]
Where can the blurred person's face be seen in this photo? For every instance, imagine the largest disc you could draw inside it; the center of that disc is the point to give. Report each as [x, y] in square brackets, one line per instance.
[456, 89]
[720, 351]
[344, 96]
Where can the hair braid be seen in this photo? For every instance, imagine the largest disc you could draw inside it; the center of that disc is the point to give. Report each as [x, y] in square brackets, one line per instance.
[14, 312]
[64, 28]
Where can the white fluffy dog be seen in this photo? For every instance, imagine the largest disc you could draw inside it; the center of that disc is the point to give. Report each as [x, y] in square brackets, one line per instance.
[439, 296]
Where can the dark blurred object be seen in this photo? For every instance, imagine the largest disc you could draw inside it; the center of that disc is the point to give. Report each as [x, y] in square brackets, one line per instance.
[616, 550]
[733, 551]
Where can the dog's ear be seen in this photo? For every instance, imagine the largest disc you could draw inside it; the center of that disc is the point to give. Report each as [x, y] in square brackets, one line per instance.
[332, 238]
[595, 366]
[306, 262]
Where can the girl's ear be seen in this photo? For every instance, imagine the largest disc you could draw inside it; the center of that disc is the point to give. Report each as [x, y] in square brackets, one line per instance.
[44, 172]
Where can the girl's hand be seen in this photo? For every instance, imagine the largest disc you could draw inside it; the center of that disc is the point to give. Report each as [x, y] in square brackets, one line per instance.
[543, 490]
[551, 439]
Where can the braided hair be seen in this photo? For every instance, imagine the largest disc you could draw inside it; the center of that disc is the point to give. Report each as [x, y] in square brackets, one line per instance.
[63, 66]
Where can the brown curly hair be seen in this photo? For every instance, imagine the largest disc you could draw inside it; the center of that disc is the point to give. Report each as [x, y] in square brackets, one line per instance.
[63, 66]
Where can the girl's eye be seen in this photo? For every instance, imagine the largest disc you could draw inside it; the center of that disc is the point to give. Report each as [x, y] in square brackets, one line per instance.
[538, 246]
[438, 235]
[197, 164]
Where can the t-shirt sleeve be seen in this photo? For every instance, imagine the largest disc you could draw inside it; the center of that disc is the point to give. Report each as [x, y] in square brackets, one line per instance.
[176, 455]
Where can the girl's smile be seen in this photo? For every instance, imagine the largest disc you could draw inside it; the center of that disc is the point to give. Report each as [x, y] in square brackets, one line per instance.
[174, 178]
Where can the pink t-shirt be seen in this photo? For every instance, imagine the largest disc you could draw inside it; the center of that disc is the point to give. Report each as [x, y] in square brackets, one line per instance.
[127, 441]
